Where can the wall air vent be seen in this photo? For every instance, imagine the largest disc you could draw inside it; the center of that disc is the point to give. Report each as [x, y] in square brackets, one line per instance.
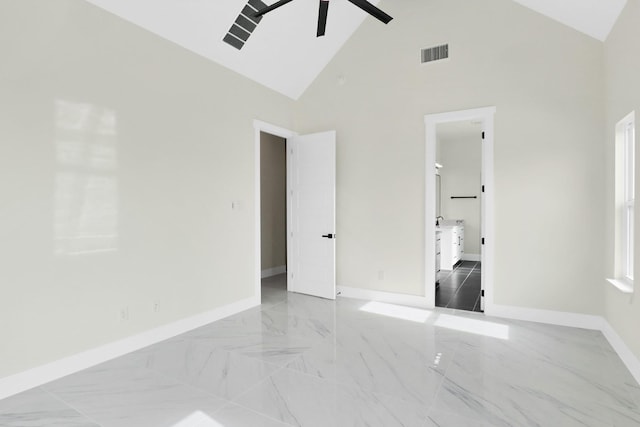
[435, 53]
[244, 24]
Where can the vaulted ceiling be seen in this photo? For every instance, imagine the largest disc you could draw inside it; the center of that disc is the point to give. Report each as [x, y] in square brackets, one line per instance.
[283, 52]
[592, 17]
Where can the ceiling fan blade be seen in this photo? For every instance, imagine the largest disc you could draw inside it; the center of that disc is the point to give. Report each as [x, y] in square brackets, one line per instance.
[272, 7]
[322, 17]
[372, 10]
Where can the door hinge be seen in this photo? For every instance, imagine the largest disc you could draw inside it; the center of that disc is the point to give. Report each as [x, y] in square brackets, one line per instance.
[482, 135]
[483, 293]
[483, 188]
[483, 240]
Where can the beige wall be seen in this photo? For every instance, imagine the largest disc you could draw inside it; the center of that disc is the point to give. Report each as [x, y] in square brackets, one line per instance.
[120, 156]
[546, 82]
[273, 202]
[461, 176]
[622, 69]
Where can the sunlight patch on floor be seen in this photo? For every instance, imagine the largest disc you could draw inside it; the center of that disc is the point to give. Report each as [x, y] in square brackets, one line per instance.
[397, 311]
[198, 419]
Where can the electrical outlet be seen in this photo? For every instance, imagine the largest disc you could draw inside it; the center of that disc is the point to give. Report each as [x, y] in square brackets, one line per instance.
[156, 307]
[123, 314]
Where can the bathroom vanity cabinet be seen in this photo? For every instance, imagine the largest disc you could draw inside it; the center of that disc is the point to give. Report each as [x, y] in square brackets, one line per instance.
[451, 245]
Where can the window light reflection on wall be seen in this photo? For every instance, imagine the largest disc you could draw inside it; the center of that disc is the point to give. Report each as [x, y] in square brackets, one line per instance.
[86, 186]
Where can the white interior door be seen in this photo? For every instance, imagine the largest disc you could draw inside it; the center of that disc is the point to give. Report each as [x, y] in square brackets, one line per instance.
[311, 182]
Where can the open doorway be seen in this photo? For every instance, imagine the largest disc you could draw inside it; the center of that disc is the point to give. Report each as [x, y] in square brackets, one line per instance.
[273, 217]
[459, 209]
[310, 212]
[274, 267]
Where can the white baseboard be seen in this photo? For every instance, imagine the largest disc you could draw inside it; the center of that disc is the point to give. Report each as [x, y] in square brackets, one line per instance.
[270, 272]
[628, 357]
[560, 318]
[40, 375]
[43, 374]
[471, 257]
[388, 297]
[575, 320]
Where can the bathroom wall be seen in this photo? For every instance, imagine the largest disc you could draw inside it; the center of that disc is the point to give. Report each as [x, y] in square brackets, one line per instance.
[461, 157]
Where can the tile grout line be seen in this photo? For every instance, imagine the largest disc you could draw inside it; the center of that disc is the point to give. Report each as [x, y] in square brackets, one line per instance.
[476, 303]
[449, 275]
[251, 388]
[64, 402]
[190, 386]
[255, 412]
[228, 402]
[460, 287]
[474, 268]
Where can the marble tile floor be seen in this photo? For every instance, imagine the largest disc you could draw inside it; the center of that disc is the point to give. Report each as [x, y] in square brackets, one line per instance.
[304, 361]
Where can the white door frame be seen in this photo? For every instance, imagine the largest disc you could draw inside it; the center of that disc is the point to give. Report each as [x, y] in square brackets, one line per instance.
[260, 126]
[486, 115]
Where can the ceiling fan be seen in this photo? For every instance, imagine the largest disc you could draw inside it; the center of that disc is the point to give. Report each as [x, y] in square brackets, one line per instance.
[324, 8]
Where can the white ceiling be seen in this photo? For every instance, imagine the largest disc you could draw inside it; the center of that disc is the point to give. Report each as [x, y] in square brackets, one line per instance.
[283, 52]
[592, 17]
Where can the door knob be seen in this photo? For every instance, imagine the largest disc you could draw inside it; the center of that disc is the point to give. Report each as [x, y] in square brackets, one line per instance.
[329, 236]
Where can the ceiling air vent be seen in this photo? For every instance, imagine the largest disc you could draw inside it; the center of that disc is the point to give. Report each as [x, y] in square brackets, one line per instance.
[244, 25]
[435, 53]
